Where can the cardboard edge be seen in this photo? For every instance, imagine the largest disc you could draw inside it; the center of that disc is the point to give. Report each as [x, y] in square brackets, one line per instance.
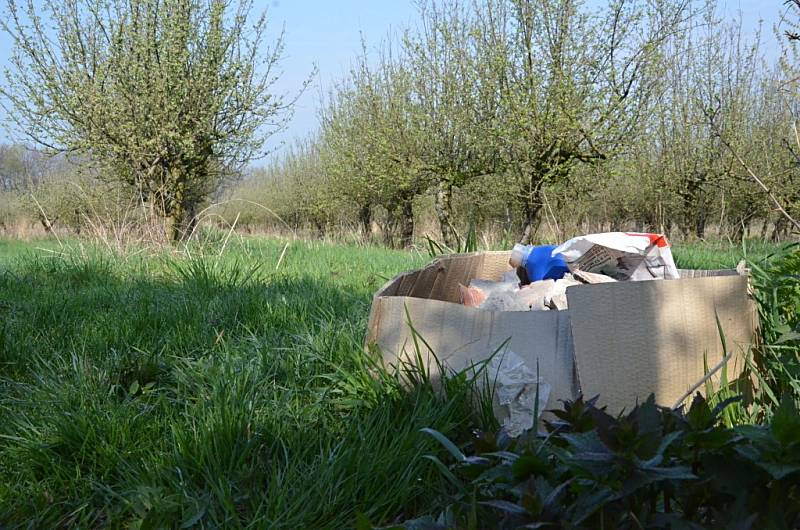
[373, 321]
[435, 263]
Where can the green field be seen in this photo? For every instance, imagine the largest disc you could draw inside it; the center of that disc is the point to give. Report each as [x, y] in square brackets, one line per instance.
[223, 387]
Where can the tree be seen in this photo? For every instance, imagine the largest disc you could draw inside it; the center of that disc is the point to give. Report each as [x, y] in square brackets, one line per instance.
[712, 86]
[451, 110]
[348, 166]
[574, 85]
[167, 96]
[368, 125]
[22, 168]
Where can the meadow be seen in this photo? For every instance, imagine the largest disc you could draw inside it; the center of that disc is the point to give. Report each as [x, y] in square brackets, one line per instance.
[225, 386]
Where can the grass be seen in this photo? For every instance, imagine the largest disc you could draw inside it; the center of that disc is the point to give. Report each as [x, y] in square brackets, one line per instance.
[212, 391]
[721, 254]
[216, 391]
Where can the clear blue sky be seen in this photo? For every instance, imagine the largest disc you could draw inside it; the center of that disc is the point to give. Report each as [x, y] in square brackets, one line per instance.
[327, 34]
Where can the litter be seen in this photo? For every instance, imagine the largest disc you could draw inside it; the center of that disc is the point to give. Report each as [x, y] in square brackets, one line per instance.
[549, 270]
[558, 297]
[620, 255]
[538, 262]
[591, 277]
[510, 296]
[542, 295]
[575, 320]
[471, 296]
[622, 340]
[516, 388]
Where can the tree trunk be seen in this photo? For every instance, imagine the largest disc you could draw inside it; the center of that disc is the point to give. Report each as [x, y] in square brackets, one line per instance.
[764, 227]
[320, 226]
[532, 205]
[531, 223]
[389, 228]
[407, 224]
[173, 228]
[443, 201]
[181, 223]
[365, 220]
[47, 223]
[779, 229]
[700, 225]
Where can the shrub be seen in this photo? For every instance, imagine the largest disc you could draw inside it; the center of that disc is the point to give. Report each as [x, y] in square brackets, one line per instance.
[776, 282]
[651, 468]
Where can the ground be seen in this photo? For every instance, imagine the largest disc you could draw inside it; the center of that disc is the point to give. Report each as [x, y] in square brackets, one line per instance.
[219, 387]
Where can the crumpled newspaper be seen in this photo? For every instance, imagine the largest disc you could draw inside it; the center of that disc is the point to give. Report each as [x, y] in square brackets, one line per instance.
[515, 390]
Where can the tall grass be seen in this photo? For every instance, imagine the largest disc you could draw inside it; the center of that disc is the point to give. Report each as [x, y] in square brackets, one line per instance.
[776, 282]
[212, 391]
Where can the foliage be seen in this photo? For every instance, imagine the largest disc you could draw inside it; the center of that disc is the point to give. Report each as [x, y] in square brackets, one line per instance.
[650, 468]
[169, 96]
[777, 291]
[545, 119]
[715, 85]
[469, 244]
[211, 391]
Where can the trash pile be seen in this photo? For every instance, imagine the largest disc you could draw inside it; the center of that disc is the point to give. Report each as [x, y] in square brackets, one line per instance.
[543, 273]
[624, 341]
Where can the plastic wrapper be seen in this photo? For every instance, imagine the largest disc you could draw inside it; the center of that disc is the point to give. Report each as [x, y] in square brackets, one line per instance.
[511, 277]
[508, 296]
[516, 389]
[536, 295]
[471, 296]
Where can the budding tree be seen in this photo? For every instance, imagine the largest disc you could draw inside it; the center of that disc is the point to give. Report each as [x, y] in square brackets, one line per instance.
[573, 84]
[169, 96]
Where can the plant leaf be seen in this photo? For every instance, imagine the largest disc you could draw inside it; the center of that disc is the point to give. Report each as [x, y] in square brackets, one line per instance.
[195, 518]
[445, 471]
[505, 506]
[446, 443]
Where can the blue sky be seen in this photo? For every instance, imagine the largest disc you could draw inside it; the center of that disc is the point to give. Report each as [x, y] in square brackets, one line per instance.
[327, 34]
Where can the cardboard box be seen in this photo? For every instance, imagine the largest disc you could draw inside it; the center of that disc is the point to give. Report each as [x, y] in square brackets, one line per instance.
[621, 340]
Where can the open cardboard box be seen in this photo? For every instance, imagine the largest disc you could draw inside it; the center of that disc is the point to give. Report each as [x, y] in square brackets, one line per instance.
[622, 341]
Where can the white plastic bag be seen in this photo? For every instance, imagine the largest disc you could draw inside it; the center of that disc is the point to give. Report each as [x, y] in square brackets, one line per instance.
[621, 255]
[516, 387]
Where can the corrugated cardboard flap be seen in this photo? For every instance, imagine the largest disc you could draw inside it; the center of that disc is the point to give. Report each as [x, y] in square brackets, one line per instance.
[636, 338]
[461, 336]
[439, 279]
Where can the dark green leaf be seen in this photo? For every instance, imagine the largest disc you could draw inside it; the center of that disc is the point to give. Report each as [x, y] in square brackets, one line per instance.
[505, 506]
[194, 518]
[445, 471]
[528, 465]
[587, 505]
[786, 421]
[446, 443]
